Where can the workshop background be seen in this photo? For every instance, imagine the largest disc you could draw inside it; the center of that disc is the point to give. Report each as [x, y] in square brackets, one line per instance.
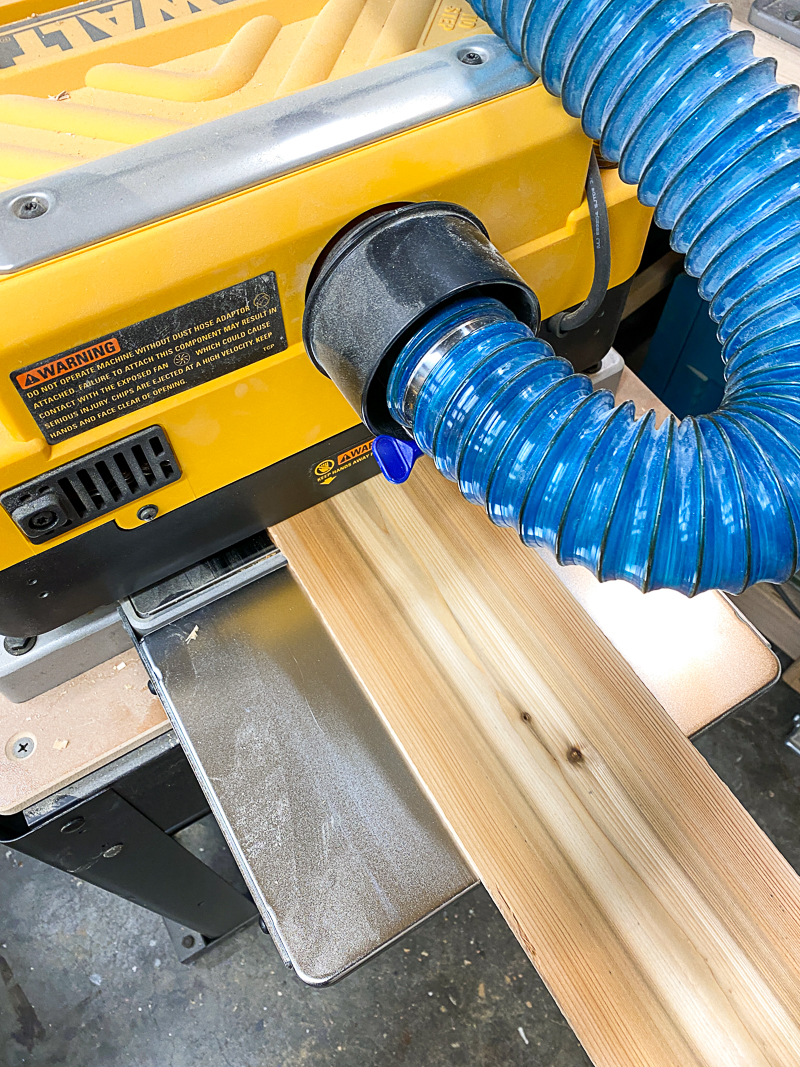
[89, 979]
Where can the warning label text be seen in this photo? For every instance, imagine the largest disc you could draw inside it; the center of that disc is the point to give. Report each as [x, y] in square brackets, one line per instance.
[153, 359]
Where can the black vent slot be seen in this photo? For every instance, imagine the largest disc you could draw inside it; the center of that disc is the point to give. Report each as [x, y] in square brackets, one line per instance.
[80, 491]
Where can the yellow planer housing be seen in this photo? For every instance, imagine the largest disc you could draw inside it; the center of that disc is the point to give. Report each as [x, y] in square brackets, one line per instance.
[170, 171]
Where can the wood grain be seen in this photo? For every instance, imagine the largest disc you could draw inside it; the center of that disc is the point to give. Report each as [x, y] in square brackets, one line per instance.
[662, 919]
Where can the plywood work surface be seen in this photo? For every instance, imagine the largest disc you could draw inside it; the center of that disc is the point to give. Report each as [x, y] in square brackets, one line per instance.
[77, 727]
[662, 919]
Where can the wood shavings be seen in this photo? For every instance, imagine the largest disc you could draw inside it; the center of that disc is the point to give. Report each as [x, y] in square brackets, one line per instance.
[193, 635]
[121, 666]
[63, 95]
[60, 744]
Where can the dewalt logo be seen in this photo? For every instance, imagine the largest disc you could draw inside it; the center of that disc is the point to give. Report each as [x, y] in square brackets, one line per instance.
[80, 27]
[55, 368]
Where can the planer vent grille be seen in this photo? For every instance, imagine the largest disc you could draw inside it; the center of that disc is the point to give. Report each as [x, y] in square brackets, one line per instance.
[80, 491]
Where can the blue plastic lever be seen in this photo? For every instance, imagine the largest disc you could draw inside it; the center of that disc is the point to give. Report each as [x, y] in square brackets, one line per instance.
[395, 458]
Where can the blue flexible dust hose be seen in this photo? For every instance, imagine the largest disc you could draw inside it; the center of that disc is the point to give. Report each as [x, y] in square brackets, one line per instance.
[713, 141]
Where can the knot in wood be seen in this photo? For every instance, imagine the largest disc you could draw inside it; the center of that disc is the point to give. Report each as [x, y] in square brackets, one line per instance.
[574, 755]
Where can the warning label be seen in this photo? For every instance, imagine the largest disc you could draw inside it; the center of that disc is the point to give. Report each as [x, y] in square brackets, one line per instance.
[327, 470]
[153, 359]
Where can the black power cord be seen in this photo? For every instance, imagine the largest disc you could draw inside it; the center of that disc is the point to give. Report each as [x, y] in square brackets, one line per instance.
[566, 321]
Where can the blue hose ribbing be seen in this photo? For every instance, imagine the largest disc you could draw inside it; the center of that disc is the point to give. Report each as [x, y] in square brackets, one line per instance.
[713, 142]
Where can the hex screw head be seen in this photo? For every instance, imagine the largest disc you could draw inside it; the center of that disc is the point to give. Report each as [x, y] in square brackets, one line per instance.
[472, 59]
[23, 747]
[110, 853]
[18, 646]
[29, 207]
[187, 941]
[147, 513]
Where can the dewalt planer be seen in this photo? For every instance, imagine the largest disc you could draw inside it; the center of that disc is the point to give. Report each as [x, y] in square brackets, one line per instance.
[203, 205]
[172, 171]
[253, 251]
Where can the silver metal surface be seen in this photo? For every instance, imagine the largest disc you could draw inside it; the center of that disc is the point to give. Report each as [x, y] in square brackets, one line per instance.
[339, 847]
[62, 654]
[151, 181]
[433, 357]
[199, 585]
[105, 776]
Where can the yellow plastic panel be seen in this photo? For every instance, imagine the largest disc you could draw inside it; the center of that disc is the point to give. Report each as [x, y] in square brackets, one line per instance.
[144, 68]
[559, 267]
[232, 71]
[518, 162]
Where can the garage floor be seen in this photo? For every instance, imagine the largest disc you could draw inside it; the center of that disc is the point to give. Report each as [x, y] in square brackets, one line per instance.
[90, 980]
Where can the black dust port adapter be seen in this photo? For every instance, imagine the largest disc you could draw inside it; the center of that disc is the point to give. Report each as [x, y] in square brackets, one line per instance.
[381, 278]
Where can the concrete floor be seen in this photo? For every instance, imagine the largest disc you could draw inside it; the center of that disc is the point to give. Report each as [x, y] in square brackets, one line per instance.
[89, 980]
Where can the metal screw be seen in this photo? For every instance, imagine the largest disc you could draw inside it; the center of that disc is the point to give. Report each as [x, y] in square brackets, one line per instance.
[23, 747]
[73, 825]
[472, 59]
[29, 207]
[110, 853]
[187, 941]
[18, 646]
[147, 513]
[792, 16]
[42, 521]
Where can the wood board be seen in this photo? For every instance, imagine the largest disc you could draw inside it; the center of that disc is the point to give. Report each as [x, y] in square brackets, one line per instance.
[662, 919]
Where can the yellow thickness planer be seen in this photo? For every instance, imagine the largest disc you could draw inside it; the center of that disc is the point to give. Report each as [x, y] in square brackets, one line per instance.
[203, 204]
[170, 172]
